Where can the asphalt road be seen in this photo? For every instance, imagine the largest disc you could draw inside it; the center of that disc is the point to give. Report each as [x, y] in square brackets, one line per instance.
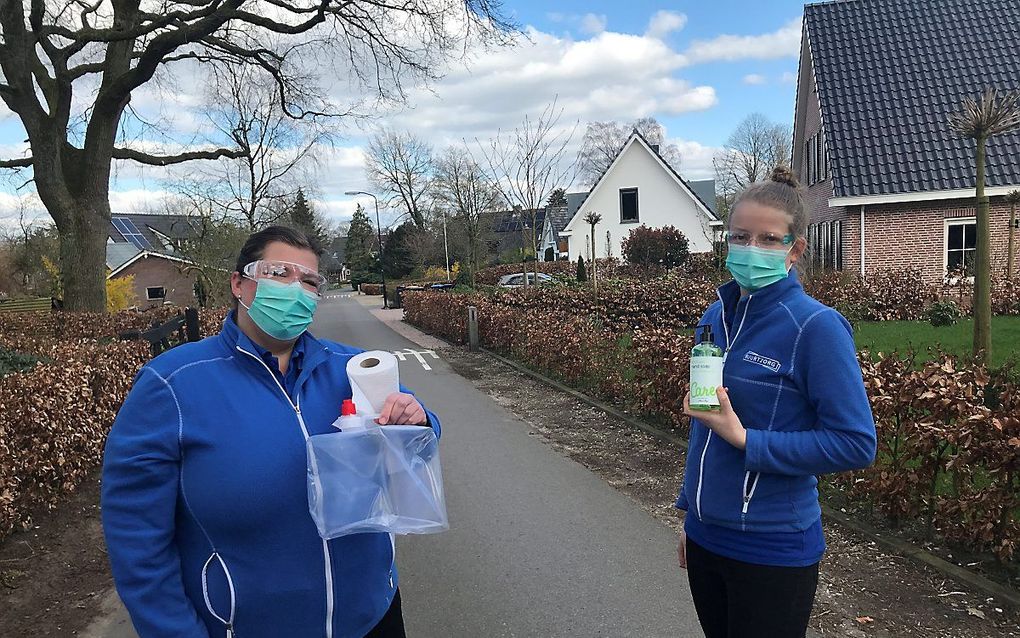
[538, 546]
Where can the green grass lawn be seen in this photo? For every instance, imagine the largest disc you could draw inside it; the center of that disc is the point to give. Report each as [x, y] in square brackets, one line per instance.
[887, 336]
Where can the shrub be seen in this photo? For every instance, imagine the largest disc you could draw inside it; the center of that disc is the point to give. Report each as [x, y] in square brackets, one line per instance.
[655, 247]
[371, 289]
[949, 432]
[55, 415]
[943, 313]
[11, 361]
[120, 293]
[582, 272]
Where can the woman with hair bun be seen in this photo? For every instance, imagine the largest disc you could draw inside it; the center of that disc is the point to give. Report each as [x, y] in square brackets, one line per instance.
[792, 406]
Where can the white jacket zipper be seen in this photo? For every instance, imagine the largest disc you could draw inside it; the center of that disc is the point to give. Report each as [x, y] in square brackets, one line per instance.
[704, 451]
[296, 406]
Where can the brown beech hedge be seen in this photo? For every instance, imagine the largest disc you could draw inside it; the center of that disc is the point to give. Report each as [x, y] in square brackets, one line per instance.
[54, 418]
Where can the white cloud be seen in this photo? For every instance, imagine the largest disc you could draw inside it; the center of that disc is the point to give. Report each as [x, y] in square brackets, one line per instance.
[695, 159]
[609, 76]
[138, 200]
[788, 78]
[782, 43]
[665, 22]
[593, 24]
[755, 79]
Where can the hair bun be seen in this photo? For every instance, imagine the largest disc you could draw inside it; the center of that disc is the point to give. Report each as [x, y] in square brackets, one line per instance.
[784, 175]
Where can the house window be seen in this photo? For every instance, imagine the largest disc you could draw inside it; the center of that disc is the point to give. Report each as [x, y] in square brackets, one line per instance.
[961, 245]
[628, 206]
[825, 244]
[156, 292]
[823, 150]
[809, 163]
[837, 239]
[816, 163]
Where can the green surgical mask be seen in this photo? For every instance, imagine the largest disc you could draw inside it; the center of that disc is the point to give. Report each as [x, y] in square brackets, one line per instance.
[282, 311]
[754, 268]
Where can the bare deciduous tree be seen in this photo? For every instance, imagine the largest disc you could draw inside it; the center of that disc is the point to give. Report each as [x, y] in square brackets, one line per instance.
[278, 150]
[603, 141]
[465, 189]
[400, 165]
[754, 148]
[527, 163]
[68, 70]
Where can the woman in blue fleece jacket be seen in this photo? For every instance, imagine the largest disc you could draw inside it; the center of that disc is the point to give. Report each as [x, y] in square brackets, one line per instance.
[204, 497]
[792, 406]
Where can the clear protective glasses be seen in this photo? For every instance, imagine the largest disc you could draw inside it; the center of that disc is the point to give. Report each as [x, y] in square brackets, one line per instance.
[762, 240]
[287, 272]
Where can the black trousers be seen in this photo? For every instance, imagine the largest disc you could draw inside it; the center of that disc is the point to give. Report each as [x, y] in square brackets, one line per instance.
[735, 599]
[392, 624]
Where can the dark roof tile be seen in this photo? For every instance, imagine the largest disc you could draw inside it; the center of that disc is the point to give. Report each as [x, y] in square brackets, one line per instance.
[889, 72]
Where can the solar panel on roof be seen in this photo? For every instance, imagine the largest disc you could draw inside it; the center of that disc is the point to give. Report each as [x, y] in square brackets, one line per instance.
[131, 232]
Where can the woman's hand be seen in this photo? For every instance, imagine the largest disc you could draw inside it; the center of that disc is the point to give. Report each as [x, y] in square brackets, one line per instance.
[681, 550]
[402, 409]
[724, 421]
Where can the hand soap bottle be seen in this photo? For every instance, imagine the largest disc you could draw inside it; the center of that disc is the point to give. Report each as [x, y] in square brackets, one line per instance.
[706, 370]
[349, 420]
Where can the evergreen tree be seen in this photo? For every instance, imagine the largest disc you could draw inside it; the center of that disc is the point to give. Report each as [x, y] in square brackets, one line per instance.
[304, 218]
[398, 262]
[360, 242]
[557, 198]
[582, 272]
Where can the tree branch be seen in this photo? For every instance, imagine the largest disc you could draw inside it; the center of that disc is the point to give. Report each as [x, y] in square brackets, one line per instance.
[24, 162]
[167, 160]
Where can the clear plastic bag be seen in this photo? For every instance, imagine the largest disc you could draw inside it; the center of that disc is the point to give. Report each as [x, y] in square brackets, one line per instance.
[377, 479]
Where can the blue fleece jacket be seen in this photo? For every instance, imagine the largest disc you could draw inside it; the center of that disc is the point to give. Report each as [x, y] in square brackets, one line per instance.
[205, 473]
[794, 380]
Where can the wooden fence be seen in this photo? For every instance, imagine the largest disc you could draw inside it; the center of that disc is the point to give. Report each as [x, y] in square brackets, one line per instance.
[26, 304]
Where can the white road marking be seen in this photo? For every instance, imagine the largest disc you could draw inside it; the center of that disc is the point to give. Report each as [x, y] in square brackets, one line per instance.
[417, 354]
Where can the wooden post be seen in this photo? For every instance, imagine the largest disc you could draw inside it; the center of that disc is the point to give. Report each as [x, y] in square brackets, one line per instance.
[473, 328]
[191, 325]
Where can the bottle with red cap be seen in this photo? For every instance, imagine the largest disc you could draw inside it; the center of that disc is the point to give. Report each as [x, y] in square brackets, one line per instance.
[349, 418]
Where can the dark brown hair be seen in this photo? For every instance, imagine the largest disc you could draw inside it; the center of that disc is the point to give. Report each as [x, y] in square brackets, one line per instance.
[781, 191]
[255, 246]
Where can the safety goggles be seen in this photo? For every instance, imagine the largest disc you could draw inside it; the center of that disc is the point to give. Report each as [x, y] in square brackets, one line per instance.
[764, 240]
[287, 272]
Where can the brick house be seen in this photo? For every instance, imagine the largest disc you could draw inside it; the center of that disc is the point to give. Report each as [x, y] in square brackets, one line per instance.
[877, 82]
[159, 279]
[148, 247]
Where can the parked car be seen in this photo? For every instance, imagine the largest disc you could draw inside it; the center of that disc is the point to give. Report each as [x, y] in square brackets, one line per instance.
[516, 280]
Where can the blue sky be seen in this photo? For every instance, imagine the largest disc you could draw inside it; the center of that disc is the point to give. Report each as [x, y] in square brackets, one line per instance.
[699, 67]
[705, 21]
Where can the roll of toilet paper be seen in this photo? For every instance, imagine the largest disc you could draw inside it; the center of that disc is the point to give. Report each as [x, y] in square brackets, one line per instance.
[374, 376]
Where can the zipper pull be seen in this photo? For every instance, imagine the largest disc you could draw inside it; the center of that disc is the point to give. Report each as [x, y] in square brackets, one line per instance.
[747, 503]
[230, 631]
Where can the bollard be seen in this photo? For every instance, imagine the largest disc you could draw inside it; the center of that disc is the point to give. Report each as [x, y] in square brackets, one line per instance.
[473, 328]
[191, 325]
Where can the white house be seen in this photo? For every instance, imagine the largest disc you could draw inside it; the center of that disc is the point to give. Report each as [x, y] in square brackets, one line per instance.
[639, 187]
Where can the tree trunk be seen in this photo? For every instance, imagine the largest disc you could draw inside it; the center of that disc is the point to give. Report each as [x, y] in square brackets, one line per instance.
[1011, 248]
[983, 267]
[83, 231]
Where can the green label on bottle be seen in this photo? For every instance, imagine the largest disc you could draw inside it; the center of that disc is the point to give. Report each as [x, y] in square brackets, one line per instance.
[706, 376]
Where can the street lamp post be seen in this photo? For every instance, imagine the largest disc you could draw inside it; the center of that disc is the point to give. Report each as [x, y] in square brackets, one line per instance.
[446, 246]
[378, 230]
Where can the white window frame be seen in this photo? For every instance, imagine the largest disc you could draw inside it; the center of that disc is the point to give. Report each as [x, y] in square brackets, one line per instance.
[148, 297]
[947, 222]
[637, 205]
